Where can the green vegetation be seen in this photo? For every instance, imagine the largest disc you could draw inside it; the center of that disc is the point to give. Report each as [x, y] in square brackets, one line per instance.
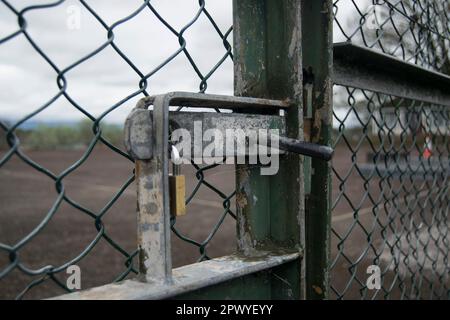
[45, 137]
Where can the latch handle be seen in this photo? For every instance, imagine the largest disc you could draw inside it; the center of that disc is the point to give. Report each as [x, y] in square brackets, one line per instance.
[306, 148]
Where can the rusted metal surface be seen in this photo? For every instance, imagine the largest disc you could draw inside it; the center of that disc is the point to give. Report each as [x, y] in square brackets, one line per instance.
[187, 278]
[155, 262]
[318, 61]
[196, 100]
[153, 191]
[139, 131]
[153, 226]
[268, 64]
[138, 139]
[363, 68]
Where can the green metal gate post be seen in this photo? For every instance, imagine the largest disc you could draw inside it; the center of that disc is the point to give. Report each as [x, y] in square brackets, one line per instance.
[317, 39]
[268, 64]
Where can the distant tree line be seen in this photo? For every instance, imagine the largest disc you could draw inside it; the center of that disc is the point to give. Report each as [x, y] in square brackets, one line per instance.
[51, 137]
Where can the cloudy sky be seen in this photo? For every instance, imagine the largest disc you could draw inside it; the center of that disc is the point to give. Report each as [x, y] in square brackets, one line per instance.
[27, 81]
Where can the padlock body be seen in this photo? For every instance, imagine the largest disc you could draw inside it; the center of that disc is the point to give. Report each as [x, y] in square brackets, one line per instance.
[177, 190]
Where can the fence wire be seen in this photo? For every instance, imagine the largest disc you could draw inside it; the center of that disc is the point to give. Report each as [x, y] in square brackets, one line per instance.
[12, 251]
[391, 171]
[416, 31]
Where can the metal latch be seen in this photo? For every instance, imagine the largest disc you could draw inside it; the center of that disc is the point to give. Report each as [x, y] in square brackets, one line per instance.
[141, 125]
[148, 141]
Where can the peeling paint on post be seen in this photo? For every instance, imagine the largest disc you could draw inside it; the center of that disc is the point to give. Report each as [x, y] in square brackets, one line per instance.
[267, 44]
[155, 261]
[153, 248]
[317, 20]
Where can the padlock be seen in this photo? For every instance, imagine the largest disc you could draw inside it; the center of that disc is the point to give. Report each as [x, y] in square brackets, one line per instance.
[177, 187]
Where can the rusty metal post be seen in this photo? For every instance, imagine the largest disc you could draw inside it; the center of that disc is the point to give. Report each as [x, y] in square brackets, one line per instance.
[155, 263]
[317, 39]
[267, 44]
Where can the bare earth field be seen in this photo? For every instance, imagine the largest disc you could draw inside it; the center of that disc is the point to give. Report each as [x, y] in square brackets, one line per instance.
[26, 196]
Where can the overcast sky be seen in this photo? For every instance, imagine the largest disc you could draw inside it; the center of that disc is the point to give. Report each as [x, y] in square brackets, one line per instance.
[27, 81]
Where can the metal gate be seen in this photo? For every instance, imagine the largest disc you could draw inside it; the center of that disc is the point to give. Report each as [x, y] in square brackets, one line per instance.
[318, 228]
[269, 263]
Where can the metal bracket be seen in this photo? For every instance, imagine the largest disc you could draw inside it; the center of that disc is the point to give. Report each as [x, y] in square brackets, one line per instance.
[364, 68]
[140, 124]
[147, 140]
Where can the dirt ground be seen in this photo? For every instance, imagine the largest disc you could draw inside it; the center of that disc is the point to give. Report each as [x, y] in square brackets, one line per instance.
[26, 196]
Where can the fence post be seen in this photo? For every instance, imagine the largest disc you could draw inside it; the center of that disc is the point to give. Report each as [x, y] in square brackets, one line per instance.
[317, 40]
[268, 64]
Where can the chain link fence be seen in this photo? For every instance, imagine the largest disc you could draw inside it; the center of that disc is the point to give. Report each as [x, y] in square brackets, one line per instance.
[391, 174]
[15, 262]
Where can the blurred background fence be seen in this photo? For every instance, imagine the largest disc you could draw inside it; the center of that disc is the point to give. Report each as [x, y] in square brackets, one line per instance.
[72, 70]
[391, 178]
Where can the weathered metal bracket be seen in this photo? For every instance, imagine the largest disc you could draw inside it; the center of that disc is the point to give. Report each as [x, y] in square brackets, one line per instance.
[186, 279]
[147, 140]
[138, 129]
[139, 126]
[360, 67]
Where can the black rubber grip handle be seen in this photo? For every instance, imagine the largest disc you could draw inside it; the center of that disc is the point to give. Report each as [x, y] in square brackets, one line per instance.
[306, 148]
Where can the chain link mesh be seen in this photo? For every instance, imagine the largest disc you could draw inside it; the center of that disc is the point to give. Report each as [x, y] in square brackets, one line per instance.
[415, 31]
[14, 148]
[391, 171]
